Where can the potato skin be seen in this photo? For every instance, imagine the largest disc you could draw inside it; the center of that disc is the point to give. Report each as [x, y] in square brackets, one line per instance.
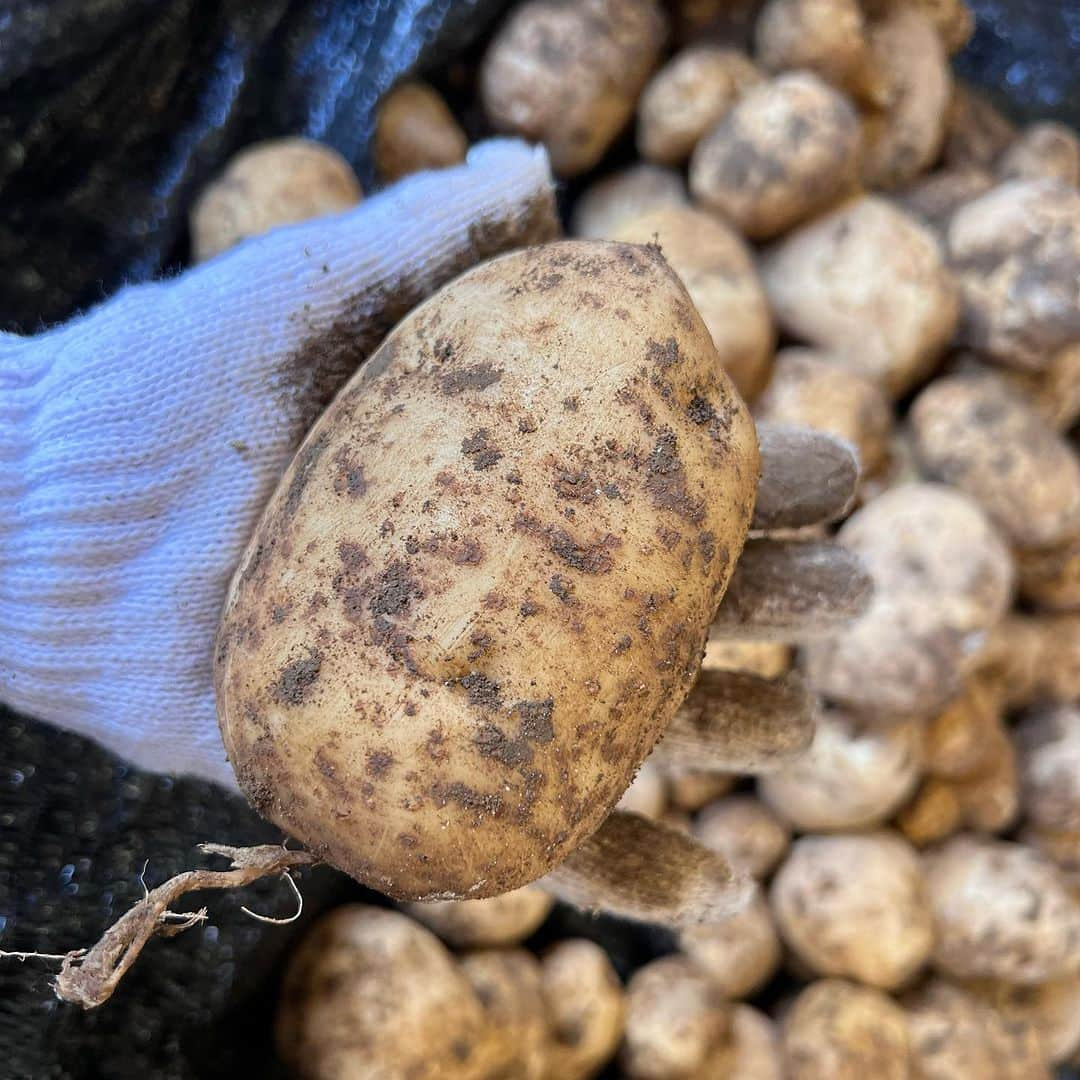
[904, 312]
[276, 182]
[973, 432]
[483, 586]
[567, 73]
[414, 130]
[788, 148]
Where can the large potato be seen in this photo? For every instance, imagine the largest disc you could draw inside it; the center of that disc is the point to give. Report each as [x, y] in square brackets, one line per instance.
[483, 586]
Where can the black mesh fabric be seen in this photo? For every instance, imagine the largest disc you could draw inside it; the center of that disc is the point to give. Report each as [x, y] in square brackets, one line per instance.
[112, 114]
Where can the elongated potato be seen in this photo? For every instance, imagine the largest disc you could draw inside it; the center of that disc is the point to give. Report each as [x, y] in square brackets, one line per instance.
[483, 586]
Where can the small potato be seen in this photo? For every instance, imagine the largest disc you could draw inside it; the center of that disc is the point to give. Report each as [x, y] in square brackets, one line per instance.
[456, 633]
[954, 1035]
[675, 1019]
[808, 390]
[586, 1009]
[647, 795]
[935, 197]
[1051, 1008]
[623, 196]
[868, 283]
[1048, 747]
[976, 133]
[1002, 912]
[753, 1051]
[278, 182]
[507, 983]
[785, 150]
[942, 578]
[746, 832]
[739, 953]
[687, 97]
[691, 789]
[472, 924]
[768, 659]
[933, 815]
[904, 139]
[972, 432]
[855, 906]
[1015, 252]
[718, 272]
[415, 130]
[828, 37]
[1046, 151]
[838, 1030]
[568, 75]
[850, 778]
[955, 740]
[371, 993]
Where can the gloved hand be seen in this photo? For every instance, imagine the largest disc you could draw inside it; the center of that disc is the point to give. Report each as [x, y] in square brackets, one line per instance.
[140, 442]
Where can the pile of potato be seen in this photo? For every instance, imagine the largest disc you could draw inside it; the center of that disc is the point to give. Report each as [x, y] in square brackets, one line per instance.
[878, 254]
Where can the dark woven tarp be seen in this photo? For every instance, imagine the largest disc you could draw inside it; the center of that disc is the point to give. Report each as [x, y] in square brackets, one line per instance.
[112, 114]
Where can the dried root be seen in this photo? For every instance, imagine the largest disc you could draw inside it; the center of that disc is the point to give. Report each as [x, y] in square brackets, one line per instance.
[88, 977]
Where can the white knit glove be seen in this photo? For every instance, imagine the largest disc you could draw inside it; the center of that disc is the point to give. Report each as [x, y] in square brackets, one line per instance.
[140, 442]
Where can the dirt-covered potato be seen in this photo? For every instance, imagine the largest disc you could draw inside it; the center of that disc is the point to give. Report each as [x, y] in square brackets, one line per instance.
[473, 924]
[976, 133]
[807, 389]
[903, 139]
[647, 795]
[370, 993]
[954, 1035]
[675, 1019]
[855, 906]
[586, 1008]
[483, 586]
[415, 130]
[786, 149]
[1047, 151]
[277, 182]
[568, 74]
[972, 432]
[852, 777]
[739, 953]
[1048, 747]
[746, 832]
[838, 1030]
[768, 659]
[718, 272]
[1002, 911]
[1015, 252]
[868, 283]
[828, 37]
[606, 204]
[508, 985]
[935, 197]
[687, 96]
[942, 578]
[1051, 579]
[1054, 392]
[1051, 1008]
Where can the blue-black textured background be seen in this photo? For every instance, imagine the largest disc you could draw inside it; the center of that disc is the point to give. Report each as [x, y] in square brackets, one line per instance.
[112, 114]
